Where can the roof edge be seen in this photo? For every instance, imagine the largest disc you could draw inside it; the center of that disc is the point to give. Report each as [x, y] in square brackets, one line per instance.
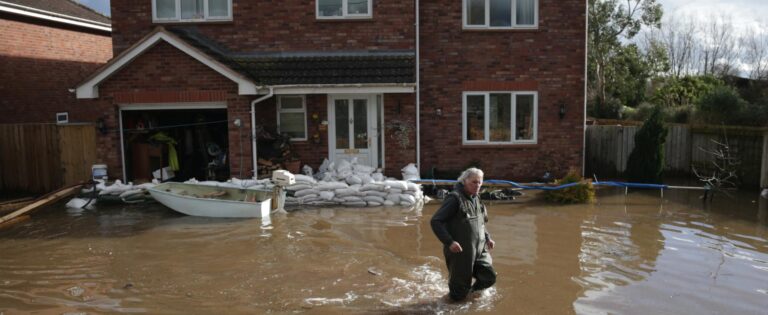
[53, 16]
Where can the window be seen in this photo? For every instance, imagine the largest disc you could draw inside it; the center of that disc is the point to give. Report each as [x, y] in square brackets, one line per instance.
[499, 117]
[191, 10]
[343, 9]
[500, 14]
[292, 117]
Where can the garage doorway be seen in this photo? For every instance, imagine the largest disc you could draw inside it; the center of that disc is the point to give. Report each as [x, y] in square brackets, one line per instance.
[190, 139]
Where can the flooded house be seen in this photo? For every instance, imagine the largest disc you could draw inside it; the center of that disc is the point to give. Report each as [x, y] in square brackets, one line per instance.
[233, 88]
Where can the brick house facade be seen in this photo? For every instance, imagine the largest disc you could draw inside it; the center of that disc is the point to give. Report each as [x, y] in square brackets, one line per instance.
[46, 48]
[347, 82]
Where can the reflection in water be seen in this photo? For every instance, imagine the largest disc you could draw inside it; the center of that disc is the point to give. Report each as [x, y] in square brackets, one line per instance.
[634, 254]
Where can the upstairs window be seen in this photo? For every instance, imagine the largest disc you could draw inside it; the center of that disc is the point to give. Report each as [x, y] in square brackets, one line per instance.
[501, 14]
[344, 9]
[292, 117]
[499, 117]
[191, 10]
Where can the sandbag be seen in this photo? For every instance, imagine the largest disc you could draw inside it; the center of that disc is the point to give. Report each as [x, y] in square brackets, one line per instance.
[331, 185]
[304, 179]
[388, 203]
[375, 193]
[326, 194]
[347, 192]
[297, 187]
[306, 192]
[378, 199]
[396, 184]
[353, 179]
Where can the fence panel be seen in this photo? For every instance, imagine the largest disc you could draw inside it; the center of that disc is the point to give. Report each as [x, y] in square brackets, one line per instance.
[608, 148]
[78, 152]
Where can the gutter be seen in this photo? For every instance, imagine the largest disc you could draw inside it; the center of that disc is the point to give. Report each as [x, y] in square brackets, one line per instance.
[253, 128]
[53, 16]
[418, 95]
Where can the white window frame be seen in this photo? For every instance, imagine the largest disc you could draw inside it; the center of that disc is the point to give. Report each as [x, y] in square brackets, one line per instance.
[344, 12]
[177, 18]
[62, 118]
[513, 120]
[303, 110]
[486, 26]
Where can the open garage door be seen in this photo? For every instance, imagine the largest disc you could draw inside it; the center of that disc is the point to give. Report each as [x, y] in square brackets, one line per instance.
[185, 140]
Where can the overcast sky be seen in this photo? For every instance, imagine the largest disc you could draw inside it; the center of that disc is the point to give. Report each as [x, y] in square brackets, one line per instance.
[744, 13]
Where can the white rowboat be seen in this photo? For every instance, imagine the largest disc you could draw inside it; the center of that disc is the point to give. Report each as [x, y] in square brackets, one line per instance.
[213, 201]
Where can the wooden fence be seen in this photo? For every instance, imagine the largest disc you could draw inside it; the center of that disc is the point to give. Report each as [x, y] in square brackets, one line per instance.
[39, 158]
[608, 148]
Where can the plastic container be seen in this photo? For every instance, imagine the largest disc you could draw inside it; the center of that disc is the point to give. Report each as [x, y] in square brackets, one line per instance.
[99, 172]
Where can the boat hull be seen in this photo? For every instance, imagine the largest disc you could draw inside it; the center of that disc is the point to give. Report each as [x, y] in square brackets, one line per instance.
[212, 201]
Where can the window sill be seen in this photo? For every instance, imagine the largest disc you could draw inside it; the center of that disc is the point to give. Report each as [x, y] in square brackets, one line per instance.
[500, 146]
[193, 22]
[342, 19]
[517, 30]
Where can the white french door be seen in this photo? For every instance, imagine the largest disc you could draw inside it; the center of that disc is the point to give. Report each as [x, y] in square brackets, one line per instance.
[353, 131]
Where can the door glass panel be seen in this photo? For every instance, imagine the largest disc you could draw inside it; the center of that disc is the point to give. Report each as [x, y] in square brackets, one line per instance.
[361, 124]
[341, 108]
[524, 117]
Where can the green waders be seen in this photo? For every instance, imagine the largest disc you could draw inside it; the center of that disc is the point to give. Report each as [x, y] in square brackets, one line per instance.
[467, 228]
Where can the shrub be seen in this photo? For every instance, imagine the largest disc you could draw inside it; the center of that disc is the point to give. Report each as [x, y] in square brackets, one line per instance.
[581, 193]
[646, 162]
[721, 105]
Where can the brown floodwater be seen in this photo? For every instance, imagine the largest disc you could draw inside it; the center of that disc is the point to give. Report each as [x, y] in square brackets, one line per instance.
[633, 254]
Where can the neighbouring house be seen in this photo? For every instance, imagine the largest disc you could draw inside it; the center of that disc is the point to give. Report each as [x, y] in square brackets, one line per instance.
[232, 88]
[47, 47]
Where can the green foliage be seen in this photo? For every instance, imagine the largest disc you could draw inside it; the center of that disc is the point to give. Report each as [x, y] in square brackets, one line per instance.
[685, 91]
[646, 162]
[581, 193]
[614, 69]
[721, 105]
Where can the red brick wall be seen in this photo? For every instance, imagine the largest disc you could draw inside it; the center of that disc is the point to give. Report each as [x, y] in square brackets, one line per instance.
[281, 26]
[40, 62]
[551, 59]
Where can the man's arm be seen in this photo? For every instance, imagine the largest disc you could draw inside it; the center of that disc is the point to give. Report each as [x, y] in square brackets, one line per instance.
[440, 219]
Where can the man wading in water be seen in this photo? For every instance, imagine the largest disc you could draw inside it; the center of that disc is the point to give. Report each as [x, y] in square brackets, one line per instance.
[460, 226]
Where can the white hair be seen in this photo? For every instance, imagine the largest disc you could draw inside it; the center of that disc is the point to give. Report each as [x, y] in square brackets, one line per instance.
[470, 172]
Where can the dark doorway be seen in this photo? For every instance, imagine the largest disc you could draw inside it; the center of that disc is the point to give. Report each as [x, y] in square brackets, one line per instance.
[199, 138]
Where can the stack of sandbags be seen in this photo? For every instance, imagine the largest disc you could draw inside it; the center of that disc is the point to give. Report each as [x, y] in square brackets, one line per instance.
[350, 184]
[236, 183]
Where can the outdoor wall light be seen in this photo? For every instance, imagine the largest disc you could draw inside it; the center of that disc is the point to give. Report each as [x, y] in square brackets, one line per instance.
[561, 111]
[101, 125]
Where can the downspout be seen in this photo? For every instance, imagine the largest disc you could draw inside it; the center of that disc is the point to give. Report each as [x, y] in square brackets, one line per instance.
[253, 128]
[418, 95]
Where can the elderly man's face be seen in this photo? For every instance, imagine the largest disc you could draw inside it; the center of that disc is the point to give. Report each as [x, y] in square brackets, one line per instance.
[472, 185]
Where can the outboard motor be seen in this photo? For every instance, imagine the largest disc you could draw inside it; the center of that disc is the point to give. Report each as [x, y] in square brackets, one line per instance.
[282, 179]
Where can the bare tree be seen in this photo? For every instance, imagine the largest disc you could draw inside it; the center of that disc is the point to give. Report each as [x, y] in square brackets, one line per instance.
[719, 50]
[678, 39]
[755, 43]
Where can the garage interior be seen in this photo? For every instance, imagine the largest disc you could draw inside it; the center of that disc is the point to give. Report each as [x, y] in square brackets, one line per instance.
[198, 137]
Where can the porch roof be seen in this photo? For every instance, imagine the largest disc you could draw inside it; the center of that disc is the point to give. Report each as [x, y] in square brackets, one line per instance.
[311, 67]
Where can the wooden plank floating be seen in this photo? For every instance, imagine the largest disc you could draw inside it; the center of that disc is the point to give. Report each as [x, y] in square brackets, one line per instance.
[42, 201]
[11, 205]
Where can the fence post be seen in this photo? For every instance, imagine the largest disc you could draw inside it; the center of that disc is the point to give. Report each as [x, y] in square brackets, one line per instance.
[764, 168]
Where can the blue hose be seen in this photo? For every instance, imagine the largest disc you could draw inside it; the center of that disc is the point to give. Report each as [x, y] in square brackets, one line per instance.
[517, 185]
